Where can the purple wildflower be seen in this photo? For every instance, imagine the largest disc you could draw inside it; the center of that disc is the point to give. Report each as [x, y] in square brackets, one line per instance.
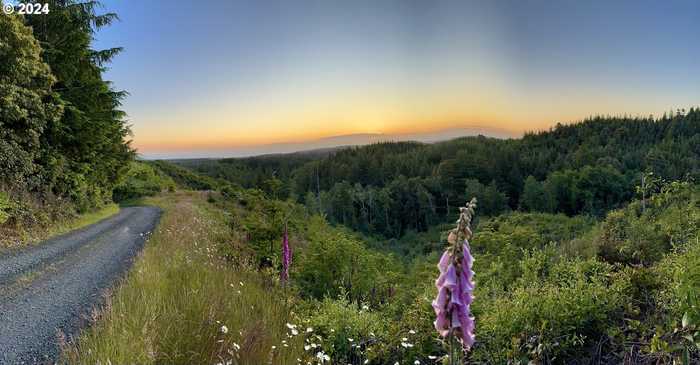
[455, 284]
[286, 256]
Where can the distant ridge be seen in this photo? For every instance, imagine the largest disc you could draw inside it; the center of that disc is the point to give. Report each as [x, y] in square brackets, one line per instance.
[328, 144]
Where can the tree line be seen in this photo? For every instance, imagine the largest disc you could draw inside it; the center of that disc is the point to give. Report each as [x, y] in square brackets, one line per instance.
[62, 133]
[588, 167]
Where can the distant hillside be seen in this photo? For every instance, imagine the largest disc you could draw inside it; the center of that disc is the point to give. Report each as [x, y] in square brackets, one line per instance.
[583, 168]
[255, 171]
[333, 142]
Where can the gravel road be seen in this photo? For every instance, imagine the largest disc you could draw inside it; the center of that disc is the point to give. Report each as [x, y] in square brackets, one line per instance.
[51, 288]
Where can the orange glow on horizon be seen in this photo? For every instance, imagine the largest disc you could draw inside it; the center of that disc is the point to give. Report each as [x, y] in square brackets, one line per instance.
[219, 141]
[284, 117]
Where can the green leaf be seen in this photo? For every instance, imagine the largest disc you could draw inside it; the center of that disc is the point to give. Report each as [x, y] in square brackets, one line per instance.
[686, 320]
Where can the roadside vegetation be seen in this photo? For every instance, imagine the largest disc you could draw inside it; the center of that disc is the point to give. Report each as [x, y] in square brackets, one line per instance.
[183, 304]
[63, 139]
[44, 225]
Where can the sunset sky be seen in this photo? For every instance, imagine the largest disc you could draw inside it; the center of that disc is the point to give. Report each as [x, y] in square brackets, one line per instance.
[220, 77]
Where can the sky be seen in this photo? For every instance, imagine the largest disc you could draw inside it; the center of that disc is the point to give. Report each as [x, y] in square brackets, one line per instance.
[217, 78]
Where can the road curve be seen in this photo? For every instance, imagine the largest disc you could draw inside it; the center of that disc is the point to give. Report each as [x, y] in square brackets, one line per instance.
[50, 288]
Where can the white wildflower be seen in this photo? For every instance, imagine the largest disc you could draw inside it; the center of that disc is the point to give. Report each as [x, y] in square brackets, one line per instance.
[322, 357]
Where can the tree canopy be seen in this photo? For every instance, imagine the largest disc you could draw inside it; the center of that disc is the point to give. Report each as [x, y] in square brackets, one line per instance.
[62, 130]
[388, 189]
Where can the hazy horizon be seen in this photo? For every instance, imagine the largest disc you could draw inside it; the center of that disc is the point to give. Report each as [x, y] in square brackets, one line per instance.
[251, 75]
[347, 140]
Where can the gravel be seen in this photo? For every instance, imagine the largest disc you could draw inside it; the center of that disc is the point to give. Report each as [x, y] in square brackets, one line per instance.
[49, 290]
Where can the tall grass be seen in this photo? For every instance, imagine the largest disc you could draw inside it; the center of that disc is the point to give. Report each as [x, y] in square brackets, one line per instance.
[181, 304]
[41, 222]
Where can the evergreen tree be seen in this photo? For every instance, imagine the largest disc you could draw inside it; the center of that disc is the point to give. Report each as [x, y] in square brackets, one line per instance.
[534, 197]
[27, 104]
[85, 151]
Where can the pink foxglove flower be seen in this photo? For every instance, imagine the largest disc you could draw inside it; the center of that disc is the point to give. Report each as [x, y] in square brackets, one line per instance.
[286, 256]
[455, 284]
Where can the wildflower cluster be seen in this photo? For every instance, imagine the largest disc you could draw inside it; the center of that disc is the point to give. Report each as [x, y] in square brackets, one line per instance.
[455, 284]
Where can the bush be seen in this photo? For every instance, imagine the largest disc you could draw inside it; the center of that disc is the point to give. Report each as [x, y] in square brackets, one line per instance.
[642, 236]
[335, 263]
[141, 180]
[680, 295]
[344, 330]
[184, 177]
[561, 315]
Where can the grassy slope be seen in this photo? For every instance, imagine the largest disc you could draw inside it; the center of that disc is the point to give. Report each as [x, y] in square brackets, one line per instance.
[39, 233]
[84, 220]
[173, 304]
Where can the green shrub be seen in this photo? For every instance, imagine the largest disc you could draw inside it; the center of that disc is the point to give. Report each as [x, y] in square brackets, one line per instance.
[335, 263]
[184, 177]
[344, 330]
[411, 334]
[559, 316]
[681, 292]
[642, 236]
[141, 180]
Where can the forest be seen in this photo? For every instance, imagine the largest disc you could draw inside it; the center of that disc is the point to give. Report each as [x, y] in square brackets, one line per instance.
[390, 189]
[64, 142]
